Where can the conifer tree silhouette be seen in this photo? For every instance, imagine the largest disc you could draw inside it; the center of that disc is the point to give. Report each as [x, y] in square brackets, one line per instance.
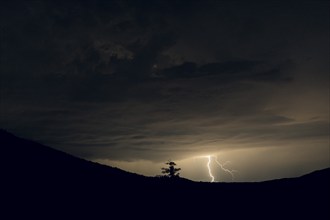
[171, 171]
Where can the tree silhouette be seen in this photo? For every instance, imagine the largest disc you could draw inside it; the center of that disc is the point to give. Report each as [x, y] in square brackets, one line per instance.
[171, 171]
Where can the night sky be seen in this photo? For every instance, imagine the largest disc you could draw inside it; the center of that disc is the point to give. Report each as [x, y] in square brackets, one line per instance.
[133, 84]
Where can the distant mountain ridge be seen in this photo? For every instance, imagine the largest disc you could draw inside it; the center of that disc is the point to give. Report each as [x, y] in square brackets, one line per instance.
[34, 175]
[30, 153]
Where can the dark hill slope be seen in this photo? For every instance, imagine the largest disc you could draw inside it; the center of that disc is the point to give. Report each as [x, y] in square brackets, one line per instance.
[40, 182]
[26, 159]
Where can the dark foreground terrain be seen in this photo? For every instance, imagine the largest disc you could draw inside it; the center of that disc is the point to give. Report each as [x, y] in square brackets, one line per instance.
[39, 182]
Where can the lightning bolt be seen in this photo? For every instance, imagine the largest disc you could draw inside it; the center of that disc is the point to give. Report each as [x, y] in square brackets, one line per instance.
[209, 168]
[222, 167]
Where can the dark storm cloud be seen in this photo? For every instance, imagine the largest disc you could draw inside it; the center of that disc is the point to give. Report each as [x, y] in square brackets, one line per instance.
[229, 71]
[133, 80]
[87, 38]
[145, 56]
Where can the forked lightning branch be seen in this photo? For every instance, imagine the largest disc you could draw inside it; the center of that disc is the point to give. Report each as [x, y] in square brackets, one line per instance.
[222, 166]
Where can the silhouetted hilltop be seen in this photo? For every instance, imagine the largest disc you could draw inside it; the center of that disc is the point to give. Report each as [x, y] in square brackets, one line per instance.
[42, 182]
[39, 163]
[28, 158]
